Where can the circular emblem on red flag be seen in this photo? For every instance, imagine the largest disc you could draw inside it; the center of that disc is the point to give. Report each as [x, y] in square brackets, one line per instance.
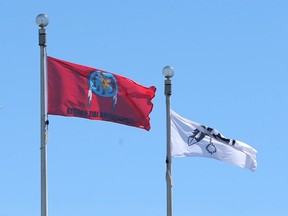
[102, 84]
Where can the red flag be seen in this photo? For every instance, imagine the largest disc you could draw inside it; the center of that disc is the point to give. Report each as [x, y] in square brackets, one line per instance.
[80, 91]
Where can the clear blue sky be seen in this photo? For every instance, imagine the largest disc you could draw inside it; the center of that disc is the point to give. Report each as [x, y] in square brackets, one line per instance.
[230, 60]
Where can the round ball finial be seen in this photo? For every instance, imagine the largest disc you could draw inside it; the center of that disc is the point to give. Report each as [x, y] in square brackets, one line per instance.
[168, 71]
[42, 20]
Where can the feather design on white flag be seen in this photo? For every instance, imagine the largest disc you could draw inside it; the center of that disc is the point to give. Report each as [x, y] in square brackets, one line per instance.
[190, 138]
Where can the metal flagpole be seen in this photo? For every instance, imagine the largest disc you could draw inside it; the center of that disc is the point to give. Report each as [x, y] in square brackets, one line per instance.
[42, 22]
[168, 72]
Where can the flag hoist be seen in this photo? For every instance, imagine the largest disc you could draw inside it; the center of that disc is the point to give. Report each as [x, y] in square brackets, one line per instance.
[42, 22]
[168, 73]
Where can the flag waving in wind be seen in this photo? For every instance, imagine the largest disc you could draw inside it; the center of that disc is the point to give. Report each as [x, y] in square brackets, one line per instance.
[189, 138]
[80, 91]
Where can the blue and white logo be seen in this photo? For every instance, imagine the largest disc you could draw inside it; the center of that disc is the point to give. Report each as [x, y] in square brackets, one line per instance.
[102, 84]
[202, 131]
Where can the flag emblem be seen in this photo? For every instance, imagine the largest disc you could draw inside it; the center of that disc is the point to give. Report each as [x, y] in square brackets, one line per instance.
[199, 133]
[196, 137]
[102, 84]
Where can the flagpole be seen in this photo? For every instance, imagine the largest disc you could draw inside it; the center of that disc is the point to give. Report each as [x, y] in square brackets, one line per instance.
[42, 22]
[168, 73]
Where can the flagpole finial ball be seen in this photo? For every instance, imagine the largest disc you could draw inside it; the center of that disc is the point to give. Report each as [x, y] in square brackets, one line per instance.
[42, 20]
[168, 71]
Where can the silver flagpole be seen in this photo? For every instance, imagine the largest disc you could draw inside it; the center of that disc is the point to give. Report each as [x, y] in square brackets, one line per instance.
[42, 22]
[168, 72]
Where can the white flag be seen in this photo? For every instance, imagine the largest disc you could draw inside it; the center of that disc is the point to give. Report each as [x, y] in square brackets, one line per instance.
[189, 138]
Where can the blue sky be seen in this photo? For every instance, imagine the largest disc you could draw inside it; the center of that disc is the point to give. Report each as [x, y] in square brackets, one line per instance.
[230, 61]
